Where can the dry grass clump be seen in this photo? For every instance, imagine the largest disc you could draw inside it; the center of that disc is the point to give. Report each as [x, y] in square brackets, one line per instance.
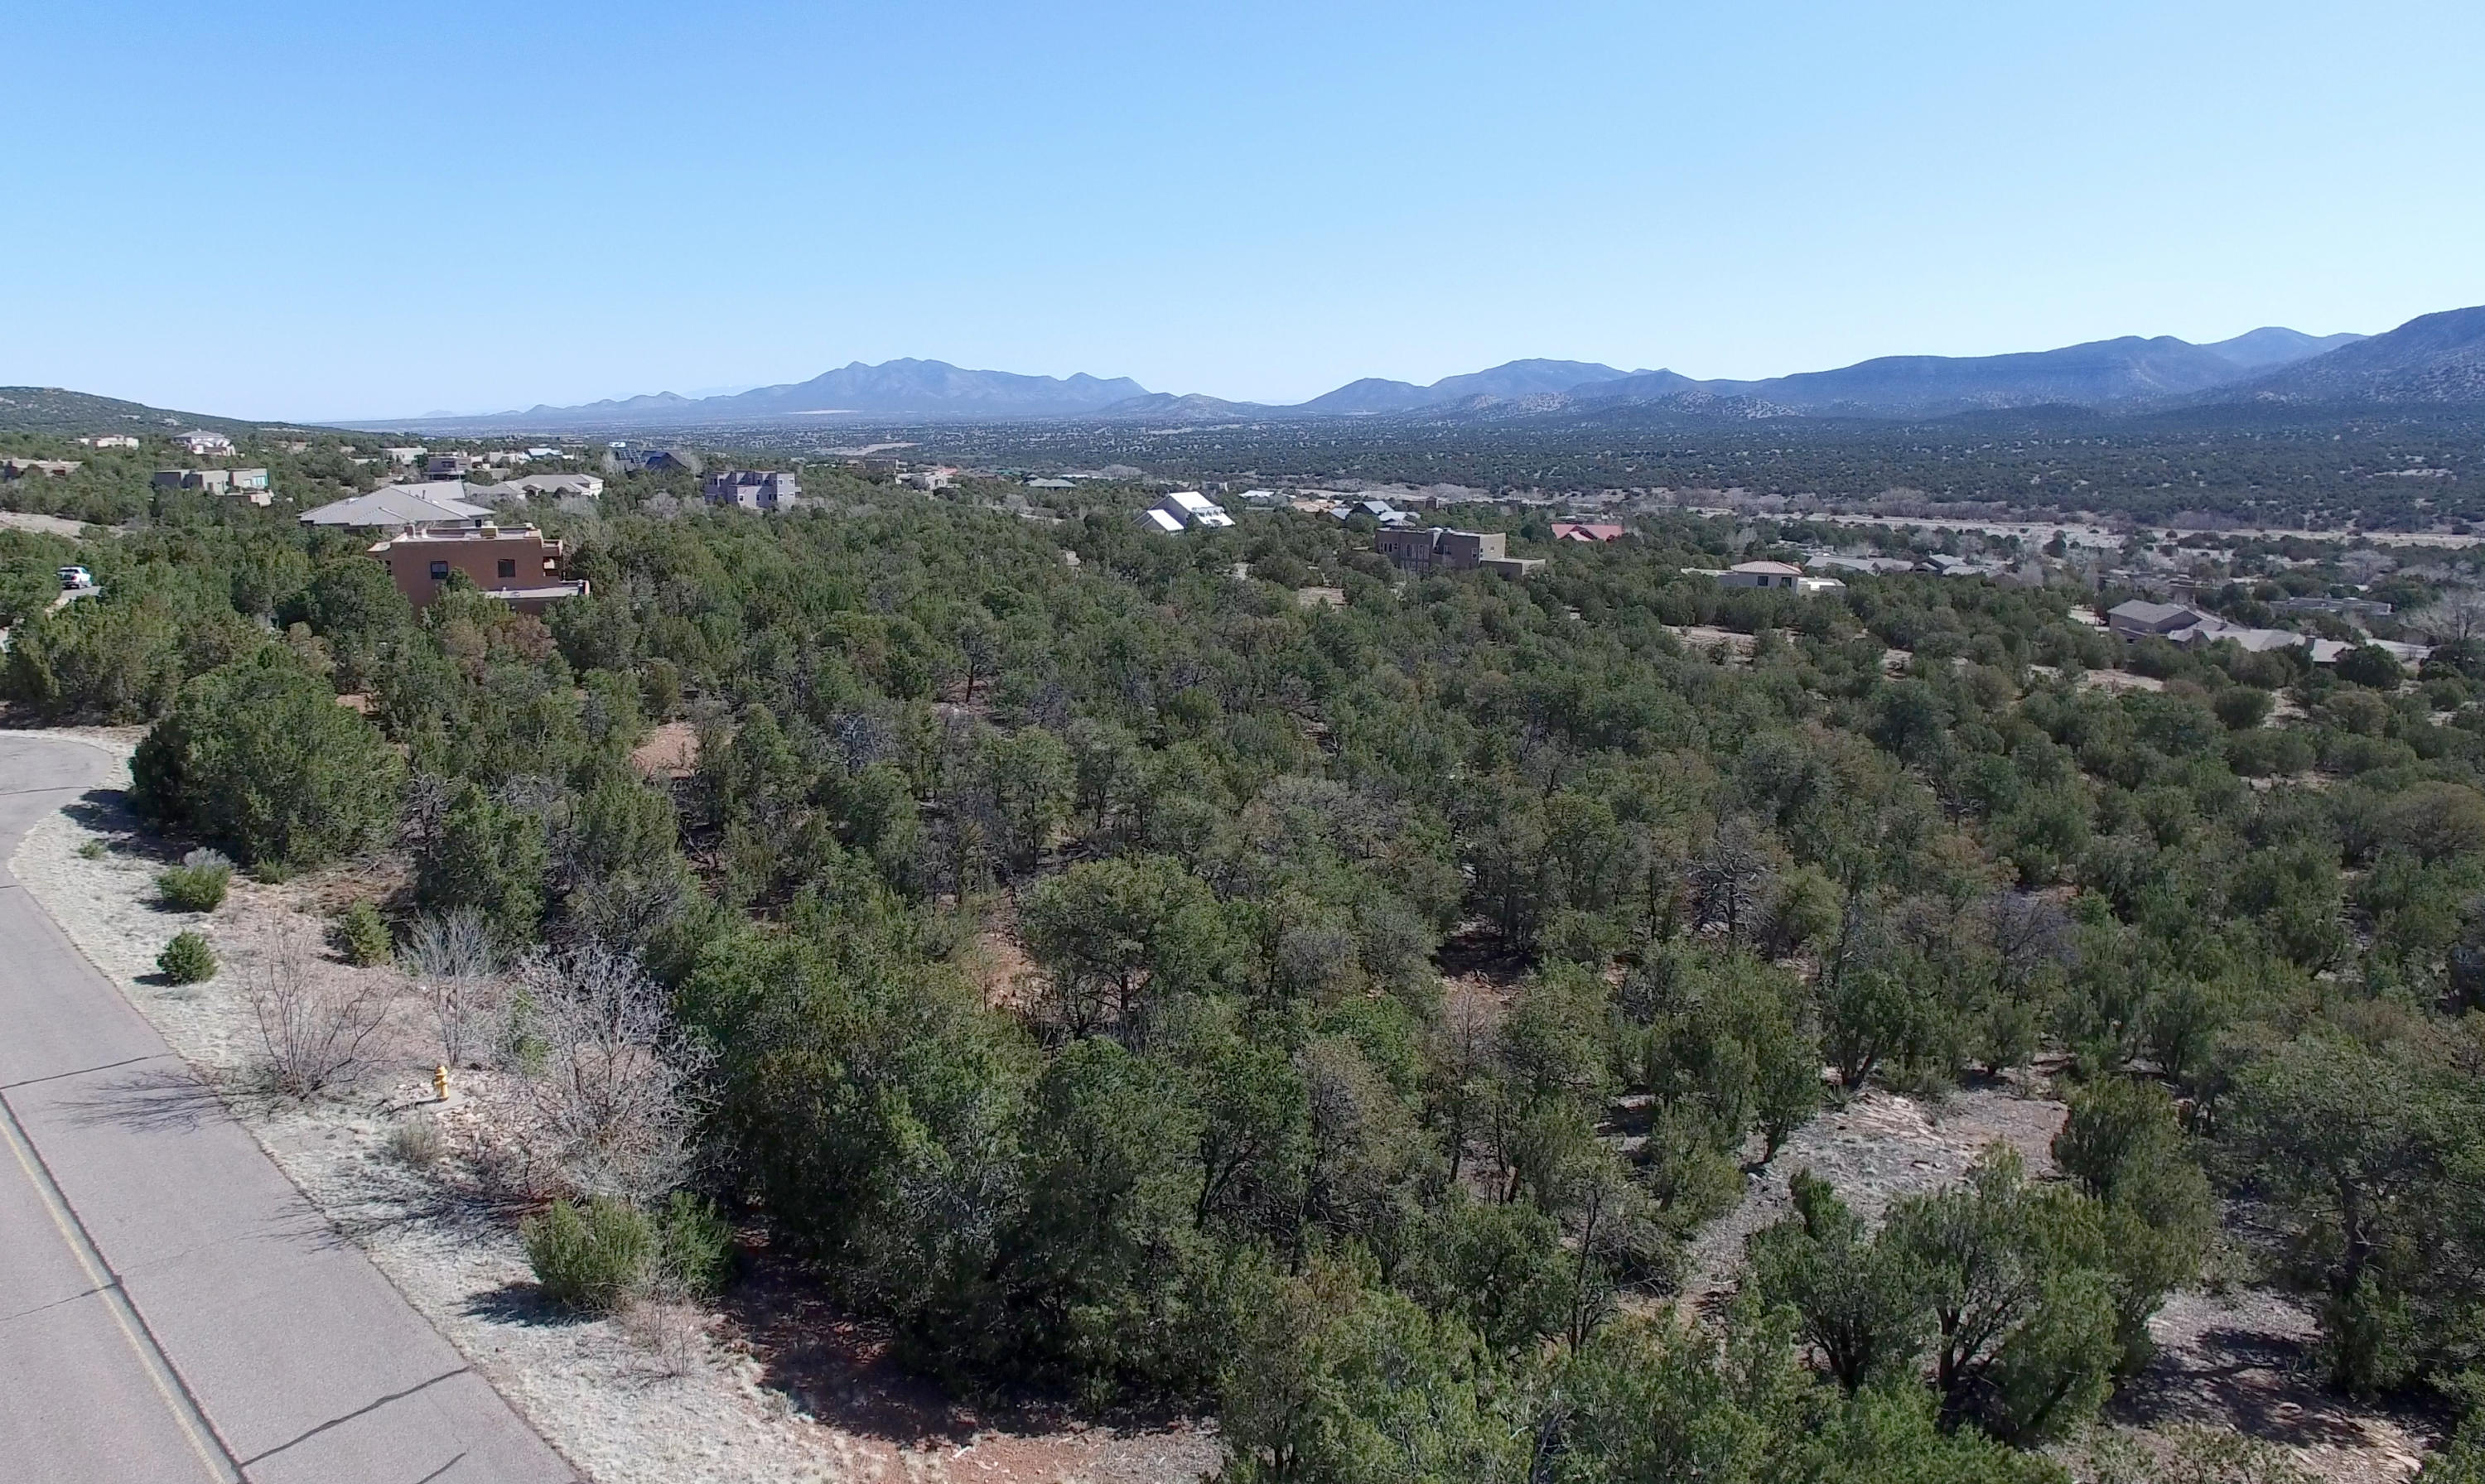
[417, 1143]
[671, 1334]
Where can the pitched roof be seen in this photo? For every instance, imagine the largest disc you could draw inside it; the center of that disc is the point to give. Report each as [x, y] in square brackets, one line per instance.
[440, 500]
[1770, 568]
[2140, 610]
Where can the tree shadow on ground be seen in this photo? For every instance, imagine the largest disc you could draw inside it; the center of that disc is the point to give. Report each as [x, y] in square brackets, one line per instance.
[108, 813]
[166, 1097]
[2265, 1385]
[522, 1303]
[843, 1369]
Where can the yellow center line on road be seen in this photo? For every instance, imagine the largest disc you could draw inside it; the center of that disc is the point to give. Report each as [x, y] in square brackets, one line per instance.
[159, 1370]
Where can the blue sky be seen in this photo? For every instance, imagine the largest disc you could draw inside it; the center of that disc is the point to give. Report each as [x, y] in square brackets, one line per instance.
[307, 210]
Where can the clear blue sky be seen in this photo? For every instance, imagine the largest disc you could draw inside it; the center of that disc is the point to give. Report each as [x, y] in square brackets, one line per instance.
[328, 210]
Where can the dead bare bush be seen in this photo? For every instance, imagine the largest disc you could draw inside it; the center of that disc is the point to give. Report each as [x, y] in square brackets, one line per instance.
[611, 1079]
[313, 1024]
[455, 967]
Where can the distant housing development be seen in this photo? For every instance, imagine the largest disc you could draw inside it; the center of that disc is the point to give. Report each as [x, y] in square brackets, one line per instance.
[1439, 549]
[753, 489]
[2190, 627]
[583, 486]
[1184, 511]
[666, 460]
[249, 484]
[19, 469]
[203, 443]
[1784, 576]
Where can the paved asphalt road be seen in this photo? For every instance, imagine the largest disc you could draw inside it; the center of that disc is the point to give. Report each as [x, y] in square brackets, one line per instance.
[172, 1311]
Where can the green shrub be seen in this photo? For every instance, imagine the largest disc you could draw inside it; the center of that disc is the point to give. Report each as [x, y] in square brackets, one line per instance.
[593, 1258]
[92, 850]
[697, 1245]
[198, 884]
[2371, 666]
[258, 756]
[188, 960]
[2242, 707]
[362, 935]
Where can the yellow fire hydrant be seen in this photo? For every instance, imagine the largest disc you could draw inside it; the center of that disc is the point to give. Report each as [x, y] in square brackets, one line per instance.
[440, 1082]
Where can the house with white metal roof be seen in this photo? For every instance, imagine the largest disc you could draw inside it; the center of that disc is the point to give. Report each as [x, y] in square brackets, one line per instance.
[1184, 511]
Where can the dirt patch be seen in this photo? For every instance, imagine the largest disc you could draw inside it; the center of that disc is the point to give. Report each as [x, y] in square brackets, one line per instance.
[999, 964]
[41, 525]
[670, 751]
[1879, 1148]
[2118, 680]
[1738, 647]
[2245, 1360]
[746, 1388]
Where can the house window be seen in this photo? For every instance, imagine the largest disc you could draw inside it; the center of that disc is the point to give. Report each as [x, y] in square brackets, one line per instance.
[509, 567]
[440, 572]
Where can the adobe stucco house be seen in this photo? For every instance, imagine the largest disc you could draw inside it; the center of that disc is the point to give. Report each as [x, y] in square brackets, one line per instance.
[515, 564]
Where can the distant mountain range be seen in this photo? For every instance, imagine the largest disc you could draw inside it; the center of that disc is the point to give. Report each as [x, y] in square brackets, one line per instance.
[2436, 358]
[893, 387]
[2096, 374]
[1515, 379]
[2433, 359]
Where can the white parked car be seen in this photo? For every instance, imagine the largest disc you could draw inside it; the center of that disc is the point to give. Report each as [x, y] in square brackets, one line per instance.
[75, 577]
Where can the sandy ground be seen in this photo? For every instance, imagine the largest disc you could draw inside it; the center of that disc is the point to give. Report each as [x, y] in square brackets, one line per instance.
[1738, 646]
[770, 1386]
[41, 525]
[670, 751]
[1875, 1150]
[2244, 1358]
[2118, 680]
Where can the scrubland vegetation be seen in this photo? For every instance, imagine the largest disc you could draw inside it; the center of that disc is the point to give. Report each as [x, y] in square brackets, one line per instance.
[1409, 979]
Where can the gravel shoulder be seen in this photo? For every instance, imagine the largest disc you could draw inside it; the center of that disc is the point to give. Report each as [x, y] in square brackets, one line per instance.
[732, 1394]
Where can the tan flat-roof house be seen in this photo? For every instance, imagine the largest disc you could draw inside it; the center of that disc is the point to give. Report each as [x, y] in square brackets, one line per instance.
[516, 564]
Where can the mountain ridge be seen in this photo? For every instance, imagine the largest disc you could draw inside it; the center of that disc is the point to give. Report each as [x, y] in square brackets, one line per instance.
[2437, 359]
[2126, 369]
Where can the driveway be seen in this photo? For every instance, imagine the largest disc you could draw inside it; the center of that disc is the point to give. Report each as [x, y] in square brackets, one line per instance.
[171, 1308]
